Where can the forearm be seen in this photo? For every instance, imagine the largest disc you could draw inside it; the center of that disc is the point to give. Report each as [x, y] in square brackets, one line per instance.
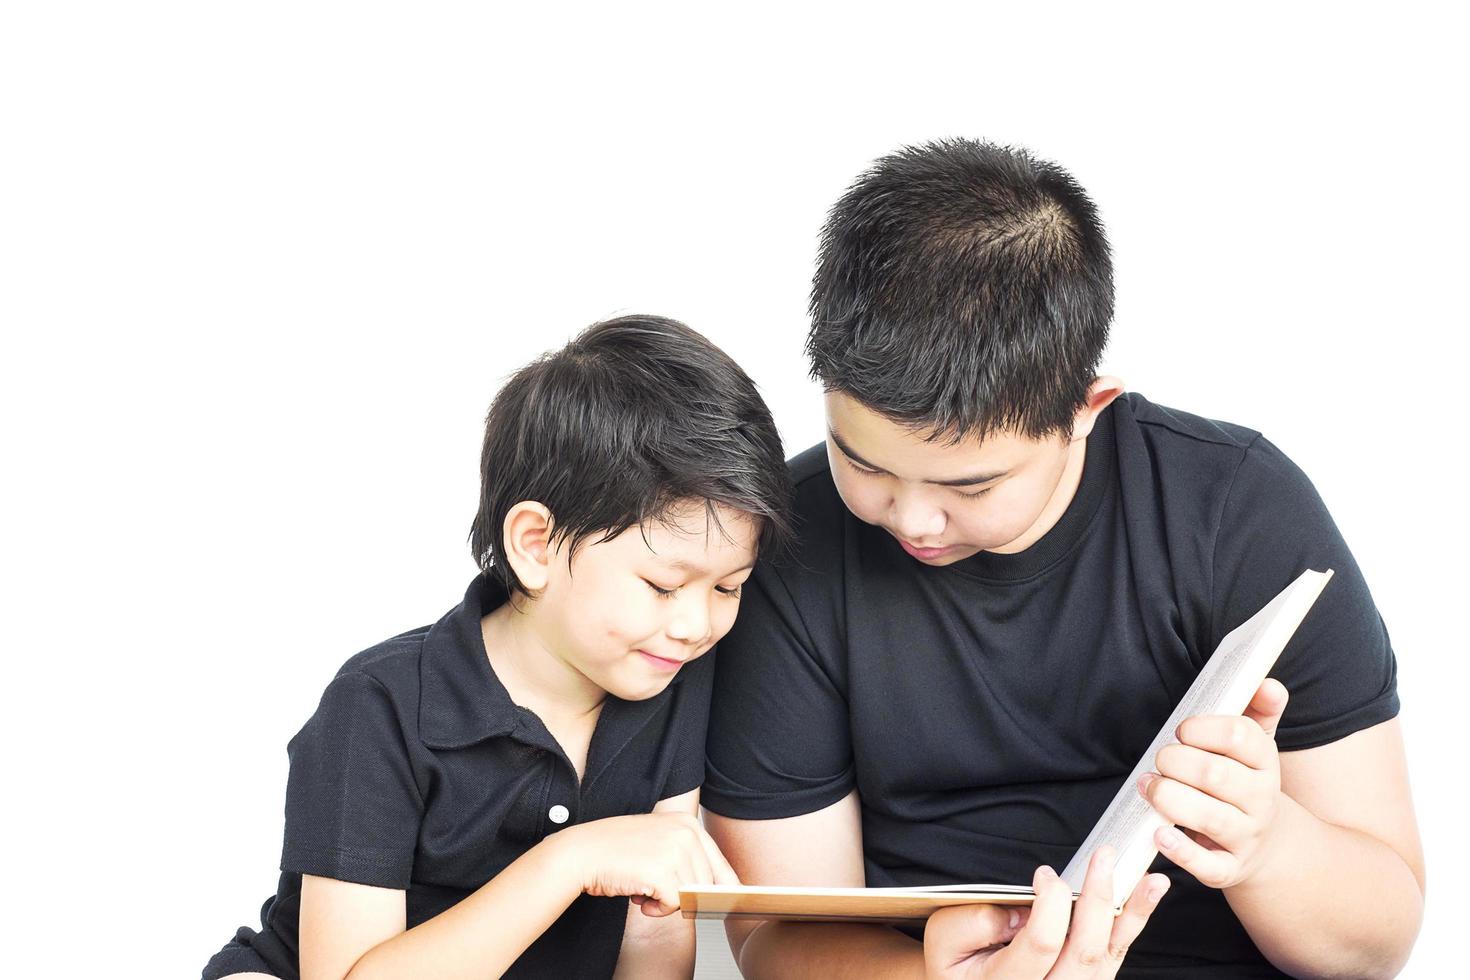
[1329, 901]
[481, 936]
[811, 949]
[655, 947]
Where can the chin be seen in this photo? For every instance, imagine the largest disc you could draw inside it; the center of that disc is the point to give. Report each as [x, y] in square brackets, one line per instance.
[638, 691]
[951, 558]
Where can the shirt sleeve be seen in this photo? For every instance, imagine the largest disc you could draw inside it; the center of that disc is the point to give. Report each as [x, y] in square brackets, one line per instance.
[352, 806]
[687, 729]
[778, 739]
[1339, 667]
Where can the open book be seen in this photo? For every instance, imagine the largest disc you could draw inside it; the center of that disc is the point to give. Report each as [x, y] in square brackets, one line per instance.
[1225, 686]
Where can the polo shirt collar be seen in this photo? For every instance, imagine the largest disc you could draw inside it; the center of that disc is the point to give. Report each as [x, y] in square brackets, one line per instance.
[461, 701]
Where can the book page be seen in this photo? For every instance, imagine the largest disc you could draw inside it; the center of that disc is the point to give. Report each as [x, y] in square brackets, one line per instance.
[1224, 686]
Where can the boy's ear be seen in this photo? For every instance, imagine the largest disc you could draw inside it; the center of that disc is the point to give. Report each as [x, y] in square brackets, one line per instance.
[1099, 397]
[527, 536]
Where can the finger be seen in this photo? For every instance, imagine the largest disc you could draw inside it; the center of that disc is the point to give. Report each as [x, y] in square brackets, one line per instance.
[1217, 869]
[1215, 775]
[664, 898]
[1035, 949]
[722, 873]
[1136, 910]
[693, 869]
[699, 864]
[1234, 736]
[1186, 806]
[955, 934]
[1267, 705]
[1086, 948]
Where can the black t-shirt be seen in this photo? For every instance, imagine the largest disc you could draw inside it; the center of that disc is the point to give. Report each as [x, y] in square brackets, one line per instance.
[418, 772]
[988, 711]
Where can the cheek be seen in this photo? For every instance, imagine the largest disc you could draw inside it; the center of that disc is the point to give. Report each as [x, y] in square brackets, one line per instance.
[1014, 512]
[606, 612]
[866, 498]
[722, 617]
[992, 519]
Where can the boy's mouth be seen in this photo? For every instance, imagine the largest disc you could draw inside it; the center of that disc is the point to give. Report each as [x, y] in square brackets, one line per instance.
[924, 554]
[661, 663]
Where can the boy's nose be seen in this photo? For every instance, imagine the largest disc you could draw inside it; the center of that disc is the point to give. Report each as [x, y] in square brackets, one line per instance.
[690, 623]
[914, 520]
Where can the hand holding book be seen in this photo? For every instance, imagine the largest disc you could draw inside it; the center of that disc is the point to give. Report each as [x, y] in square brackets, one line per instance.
[1056, 937]
[1220, 785]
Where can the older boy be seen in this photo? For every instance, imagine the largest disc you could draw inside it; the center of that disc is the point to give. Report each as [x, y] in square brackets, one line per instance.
[1009, 572]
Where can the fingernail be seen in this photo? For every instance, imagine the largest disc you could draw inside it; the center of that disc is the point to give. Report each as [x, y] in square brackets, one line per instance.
[1015, 919]
[1169, 837]
[1046, 872]
[1104, 858]
[1144, 781]
[1157, 888]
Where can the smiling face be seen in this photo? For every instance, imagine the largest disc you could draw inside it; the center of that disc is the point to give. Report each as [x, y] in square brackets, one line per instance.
[947, 502]
[627, 613]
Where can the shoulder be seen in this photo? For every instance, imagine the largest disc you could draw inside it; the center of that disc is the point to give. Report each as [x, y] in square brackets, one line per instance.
[809, 464]
[816, 499]
[376, 692]
[1170, 425]
[1212, 461]
[392, 666]
[822, 526]
[819, 512]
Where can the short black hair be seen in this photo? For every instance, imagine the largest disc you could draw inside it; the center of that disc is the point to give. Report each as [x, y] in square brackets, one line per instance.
[610, 432]
[963, 288]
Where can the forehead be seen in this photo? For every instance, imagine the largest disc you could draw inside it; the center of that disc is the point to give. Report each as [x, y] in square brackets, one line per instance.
[905, 452]
[692, 535]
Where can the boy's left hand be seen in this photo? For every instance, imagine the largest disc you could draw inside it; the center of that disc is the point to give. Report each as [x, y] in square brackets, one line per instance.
[1222, 786]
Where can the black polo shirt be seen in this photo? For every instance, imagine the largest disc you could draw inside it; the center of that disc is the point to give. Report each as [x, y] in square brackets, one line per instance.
[987, 711]
[417, 772]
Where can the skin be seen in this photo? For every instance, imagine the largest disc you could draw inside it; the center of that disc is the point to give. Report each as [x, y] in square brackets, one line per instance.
[1285, 835]
[671, 590]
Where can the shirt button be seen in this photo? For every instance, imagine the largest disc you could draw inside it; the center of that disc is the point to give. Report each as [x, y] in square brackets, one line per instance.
[558, 814]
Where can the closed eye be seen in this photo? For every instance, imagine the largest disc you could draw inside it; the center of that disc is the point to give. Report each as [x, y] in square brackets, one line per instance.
[661, 591]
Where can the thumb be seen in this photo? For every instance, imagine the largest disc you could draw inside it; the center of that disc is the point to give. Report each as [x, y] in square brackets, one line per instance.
[664, 900]
[956, 933]
[1268, 704]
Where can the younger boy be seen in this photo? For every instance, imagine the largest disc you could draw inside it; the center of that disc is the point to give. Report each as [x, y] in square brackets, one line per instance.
[1009, 573]
[482, 796]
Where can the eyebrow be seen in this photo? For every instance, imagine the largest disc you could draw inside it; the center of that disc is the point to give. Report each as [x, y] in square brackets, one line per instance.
[963, 481]
[679, 564]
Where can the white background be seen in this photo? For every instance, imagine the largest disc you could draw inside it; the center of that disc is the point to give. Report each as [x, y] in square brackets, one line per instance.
[264, 266]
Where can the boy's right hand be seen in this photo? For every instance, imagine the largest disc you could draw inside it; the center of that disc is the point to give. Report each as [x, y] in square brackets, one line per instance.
[1056, 938]
[647, 857]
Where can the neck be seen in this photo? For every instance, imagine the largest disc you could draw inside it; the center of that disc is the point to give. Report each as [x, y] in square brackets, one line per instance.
[533, 673]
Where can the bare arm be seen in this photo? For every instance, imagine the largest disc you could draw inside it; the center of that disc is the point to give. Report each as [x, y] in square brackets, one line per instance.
[1343, 891]
[350, 930]
[358, 930]
[820, 848]
[1317, 850]
[661, 946]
